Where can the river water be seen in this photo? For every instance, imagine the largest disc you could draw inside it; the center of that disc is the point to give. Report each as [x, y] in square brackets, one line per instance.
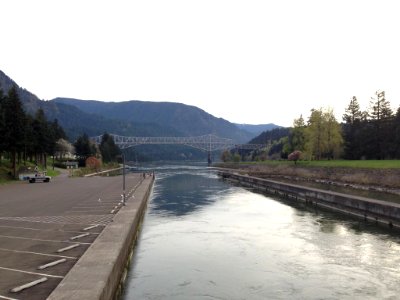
[203, 238]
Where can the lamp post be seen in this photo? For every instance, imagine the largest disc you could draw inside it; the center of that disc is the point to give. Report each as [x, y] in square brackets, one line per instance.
[122, 156]
[123, 179]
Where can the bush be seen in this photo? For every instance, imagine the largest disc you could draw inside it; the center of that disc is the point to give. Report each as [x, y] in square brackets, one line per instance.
[295, 156]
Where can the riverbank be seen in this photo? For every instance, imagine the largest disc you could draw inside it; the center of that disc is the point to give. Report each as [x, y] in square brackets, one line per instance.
[100, 271]
[370, 179]
[387, 213]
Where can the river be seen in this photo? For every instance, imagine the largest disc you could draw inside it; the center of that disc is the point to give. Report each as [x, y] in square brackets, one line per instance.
[203, 238]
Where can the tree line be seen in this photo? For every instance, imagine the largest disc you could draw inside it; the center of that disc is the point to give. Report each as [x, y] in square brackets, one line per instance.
[107, 150]
[33, 138]
[24, 137]
[370, 134]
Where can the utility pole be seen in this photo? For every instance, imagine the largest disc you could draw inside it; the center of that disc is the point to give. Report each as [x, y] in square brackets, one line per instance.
[123, 180]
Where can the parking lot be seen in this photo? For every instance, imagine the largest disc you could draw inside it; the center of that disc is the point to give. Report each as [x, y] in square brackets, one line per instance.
[46, 227]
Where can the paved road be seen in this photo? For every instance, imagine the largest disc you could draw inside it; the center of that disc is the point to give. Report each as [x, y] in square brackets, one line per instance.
[45, 223]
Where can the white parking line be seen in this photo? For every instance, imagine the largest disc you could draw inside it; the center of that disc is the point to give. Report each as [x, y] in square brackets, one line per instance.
[28, 285]
[52, 264]
[88, 211]
[36, 253]
[35, 229]
[79, 236]
[91, 227]
[96, 206]
[67, 248]
[7, 298]
[32, 273]
[23, 238]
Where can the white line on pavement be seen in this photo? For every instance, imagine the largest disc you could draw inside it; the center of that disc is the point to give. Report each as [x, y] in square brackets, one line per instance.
[7, 298]
[67, 248]
[32, 273]
[91, 227]
[23, 238]
[52, 264]
[36, 253]
[53, 230]
[28, 285]
[79, 236]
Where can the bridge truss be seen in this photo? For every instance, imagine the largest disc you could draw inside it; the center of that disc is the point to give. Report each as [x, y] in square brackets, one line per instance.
[207, 142]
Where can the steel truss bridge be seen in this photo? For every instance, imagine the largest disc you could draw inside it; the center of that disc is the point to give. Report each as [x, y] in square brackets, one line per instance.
[207, 142]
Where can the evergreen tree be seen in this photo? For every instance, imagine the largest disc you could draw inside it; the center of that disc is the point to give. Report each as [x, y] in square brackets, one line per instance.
[2, 125]
[353, 118]
[84, 148]
[42, 137]
[14, 125]
[353, 113]
[109, 151]
[380, 115]
[395, 151]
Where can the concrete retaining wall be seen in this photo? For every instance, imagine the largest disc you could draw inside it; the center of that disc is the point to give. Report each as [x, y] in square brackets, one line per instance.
[384, 212]
[98, 272]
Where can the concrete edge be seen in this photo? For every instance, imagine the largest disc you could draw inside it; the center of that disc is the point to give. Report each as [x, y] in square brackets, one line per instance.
[386, 213]
[102, 172]
[98, 272]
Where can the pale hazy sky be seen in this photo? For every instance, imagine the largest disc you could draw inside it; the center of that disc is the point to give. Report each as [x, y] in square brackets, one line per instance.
[245, 61]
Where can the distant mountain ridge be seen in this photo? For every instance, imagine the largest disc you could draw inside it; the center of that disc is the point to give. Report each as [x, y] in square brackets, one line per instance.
[257, 129]
[131, 118]
[188, 120]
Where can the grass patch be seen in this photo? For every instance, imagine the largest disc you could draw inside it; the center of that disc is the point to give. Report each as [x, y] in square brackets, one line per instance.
[358, 164]
[52, 173]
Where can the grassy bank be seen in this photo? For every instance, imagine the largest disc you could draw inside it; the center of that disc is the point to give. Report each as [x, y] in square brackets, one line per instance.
[376, 174]
[358, 164]
[5, 171]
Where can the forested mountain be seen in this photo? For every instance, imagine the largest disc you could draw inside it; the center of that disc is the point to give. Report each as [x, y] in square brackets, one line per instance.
[185, 119]
[271, 136]
[131, 118]
[257, 129]
[136, 118]
[76, 122]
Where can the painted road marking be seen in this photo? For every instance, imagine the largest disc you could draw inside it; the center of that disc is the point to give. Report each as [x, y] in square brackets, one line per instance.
[91, 227]
[91, 207]
[28, 285]
[24, 238]
[72, 219]
[52, 230]
[7, 298]
[52, 264]
[36, 253]
[68, 248]
[32, 273]
[79, 236]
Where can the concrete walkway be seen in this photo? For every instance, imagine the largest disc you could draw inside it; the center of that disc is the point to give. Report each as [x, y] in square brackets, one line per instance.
[45, 228]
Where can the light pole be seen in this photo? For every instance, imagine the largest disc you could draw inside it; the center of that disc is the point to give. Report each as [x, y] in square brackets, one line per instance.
[123, 179]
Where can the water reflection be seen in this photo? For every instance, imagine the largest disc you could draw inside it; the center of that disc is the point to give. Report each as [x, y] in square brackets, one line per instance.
[231, 243]
[180, 191]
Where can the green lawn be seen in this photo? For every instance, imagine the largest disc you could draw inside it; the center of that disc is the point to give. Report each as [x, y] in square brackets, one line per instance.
[367, 164]
[52, 173]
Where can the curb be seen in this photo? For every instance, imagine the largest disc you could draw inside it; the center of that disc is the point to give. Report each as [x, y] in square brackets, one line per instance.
[99, 271]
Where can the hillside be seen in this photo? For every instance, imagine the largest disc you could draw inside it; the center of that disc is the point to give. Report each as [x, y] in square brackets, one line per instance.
[131, 118]
[186, 119]
[271, 136]
[76, 122]
[257, 129]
